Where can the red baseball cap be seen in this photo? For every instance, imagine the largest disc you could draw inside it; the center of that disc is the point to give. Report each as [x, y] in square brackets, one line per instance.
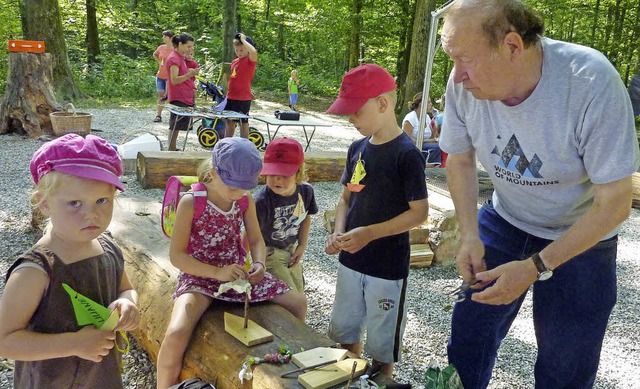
[359, 85]
[90, 157]
[282, 157]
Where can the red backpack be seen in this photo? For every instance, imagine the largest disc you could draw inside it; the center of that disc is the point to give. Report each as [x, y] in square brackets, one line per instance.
[178, 186]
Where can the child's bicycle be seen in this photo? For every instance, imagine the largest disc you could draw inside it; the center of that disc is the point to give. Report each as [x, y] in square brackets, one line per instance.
[212, 130]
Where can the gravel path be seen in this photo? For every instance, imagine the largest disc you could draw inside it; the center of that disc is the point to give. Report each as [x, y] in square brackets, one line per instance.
[429, 304]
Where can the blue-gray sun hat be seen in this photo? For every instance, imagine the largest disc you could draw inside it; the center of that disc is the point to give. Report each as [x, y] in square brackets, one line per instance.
[237, 162]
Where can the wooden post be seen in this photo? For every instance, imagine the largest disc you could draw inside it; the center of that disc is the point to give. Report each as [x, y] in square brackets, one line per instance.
[29, 97]
[246, 309]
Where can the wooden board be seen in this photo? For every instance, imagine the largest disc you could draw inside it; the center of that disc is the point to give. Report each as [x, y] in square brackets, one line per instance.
[318, 355]
[250, 336]
[327, 376]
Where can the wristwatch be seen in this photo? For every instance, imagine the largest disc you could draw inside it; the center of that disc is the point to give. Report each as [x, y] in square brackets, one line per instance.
[543, 272]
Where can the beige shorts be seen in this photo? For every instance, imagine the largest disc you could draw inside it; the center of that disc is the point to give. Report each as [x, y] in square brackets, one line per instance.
[278, 265]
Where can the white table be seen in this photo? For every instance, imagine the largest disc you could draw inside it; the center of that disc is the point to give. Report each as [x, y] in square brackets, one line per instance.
[304, 122]
[196, 114]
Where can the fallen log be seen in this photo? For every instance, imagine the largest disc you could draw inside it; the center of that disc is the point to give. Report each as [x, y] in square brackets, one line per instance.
[213, 354]
[153, 168]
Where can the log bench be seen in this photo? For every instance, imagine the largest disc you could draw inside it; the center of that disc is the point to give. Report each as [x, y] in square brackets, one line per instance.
[153, 168]
[213, 354]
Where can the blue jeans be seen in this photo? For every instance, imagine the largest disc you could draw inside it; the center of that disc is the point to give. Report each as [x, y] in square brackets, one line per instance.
[570, 311]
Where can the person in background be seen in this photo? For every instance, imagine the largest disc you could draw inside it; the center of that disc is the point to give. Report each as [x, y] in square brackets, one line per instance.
[284, 207]
[181, 84]
[209, 251]
[437, 126]
[383, 197]
[160, 55]
[411, 125]
[292, 87]
[76, 181]
[561, 190]
[239, 94]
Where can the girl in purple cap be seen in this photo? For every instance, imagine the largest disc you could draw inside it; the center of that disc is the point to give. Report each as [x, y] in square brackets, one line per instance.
[76, 180]
[209, 252]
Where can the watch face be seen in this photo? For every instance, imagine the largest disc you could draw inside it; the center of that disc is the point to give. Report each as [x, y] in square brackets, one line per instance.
[545, 275]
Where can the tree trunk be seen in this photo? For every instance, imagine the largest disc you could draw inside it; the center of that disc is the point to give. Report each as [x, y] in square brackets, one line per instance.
[402, 62]
[28, 98]
[43, 23]
[419, 43]
[229, 29]
[354, 36]
[93, 39]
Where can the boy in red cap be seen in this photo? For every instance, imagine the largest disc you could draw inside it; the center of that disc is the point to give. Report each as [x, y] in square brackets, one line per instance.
[284, 207]
[384, 195]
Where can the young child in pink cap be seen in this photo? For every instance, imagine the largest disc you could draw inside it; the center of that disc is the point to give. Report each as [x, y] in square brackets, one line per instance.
[384, 195]
[76, 181]
[208, 250]
[284, 208]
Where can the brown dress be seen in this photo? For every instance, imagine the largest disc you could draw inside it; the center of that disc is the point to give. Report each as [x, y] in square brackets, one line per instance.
[97, 278]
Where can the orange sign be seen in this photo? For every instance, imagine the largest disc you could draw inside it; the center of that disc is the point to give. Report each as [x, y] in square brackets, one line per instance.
[26, 46]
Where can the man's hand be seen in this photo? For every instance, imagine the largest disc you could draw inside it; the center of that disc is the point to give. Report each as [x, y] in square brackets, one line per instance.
[354, 240]
[512, 280]
[470, 258]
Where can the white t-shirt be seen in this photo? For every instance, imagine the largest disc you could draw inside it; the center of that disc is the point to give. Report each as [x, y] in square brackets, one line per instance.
[545, 154]
[412, 118]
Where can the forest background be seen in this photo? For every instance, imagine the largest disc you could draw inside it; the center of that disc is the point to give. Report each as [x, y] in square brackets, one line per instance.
[102, 49]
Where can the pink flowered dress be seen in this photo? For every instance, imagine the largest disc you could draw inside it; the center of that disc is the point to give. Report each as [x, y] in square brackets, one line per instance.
[215, 240]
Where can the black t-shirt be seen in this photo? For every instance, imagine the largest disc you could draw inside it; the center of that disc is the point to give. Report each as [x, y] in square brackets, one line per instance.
[394, 177]
[277, 217]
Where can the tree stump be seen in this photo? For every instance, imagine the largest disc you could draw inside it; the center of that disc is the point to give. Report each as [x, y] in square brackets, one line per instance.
[29, 97]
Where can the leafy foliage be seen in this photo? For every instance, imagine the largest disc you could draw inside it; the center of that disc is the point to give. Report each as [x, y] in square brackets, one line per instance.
[311, 36]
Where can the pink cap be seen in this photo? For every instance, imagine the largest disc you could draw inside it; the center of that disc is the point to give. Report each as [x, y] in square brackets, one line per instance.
[359, 85]
[282, 157]
[91, 157]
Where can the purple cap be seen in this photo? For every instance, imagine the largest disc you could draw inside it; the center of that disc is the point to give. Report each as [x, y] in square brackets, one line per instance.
[91, 157]
[237, 162]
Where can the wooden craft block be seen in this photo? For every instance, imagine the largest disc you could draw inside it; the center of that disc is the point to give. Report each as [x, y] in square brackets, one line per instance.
[318, 355]
[421, 255]
[330, 375]
[250, 336]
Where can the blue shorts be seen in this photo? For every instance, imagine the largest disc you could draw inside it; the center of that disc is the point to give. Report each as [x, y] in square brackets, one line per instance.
[161, 85]
[373, 304]
[293, 99]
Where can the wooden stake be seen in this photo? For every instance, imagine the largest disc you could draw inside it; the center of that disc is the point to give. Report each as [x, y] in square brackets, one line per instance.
[353, 372]
[246, 309]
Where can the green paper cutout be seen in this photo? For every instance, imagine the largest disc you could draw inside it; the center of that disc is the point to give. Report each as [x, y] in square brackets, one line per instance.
[89, 312]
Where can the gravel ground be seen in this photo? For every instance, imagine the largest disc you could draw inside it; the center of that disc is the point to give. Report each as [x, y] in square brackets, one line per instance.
[428, 323]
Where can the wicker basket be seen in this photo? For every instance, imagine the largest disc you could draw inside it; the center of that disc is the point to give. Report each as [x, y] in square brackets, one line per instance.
[65, 122]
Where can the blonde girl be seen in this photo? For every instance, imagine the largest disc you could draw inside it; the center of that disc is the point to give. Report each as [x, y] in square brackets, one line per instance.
[209, 252]
[76, 180]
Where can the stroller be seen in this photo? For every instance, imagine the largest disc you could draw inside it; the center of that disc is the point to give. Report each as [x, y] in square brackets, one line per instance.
[212, 130]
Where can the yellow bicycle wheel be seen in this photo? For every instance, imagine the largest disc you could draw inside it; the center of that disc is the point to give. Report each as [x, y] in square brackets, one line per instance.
[257, 138]
[208, 137]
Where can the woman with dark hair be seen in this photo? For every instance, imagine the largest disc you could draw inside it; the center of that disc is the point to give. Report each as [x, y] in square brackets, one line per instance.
[181, 84]
[411, 124]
